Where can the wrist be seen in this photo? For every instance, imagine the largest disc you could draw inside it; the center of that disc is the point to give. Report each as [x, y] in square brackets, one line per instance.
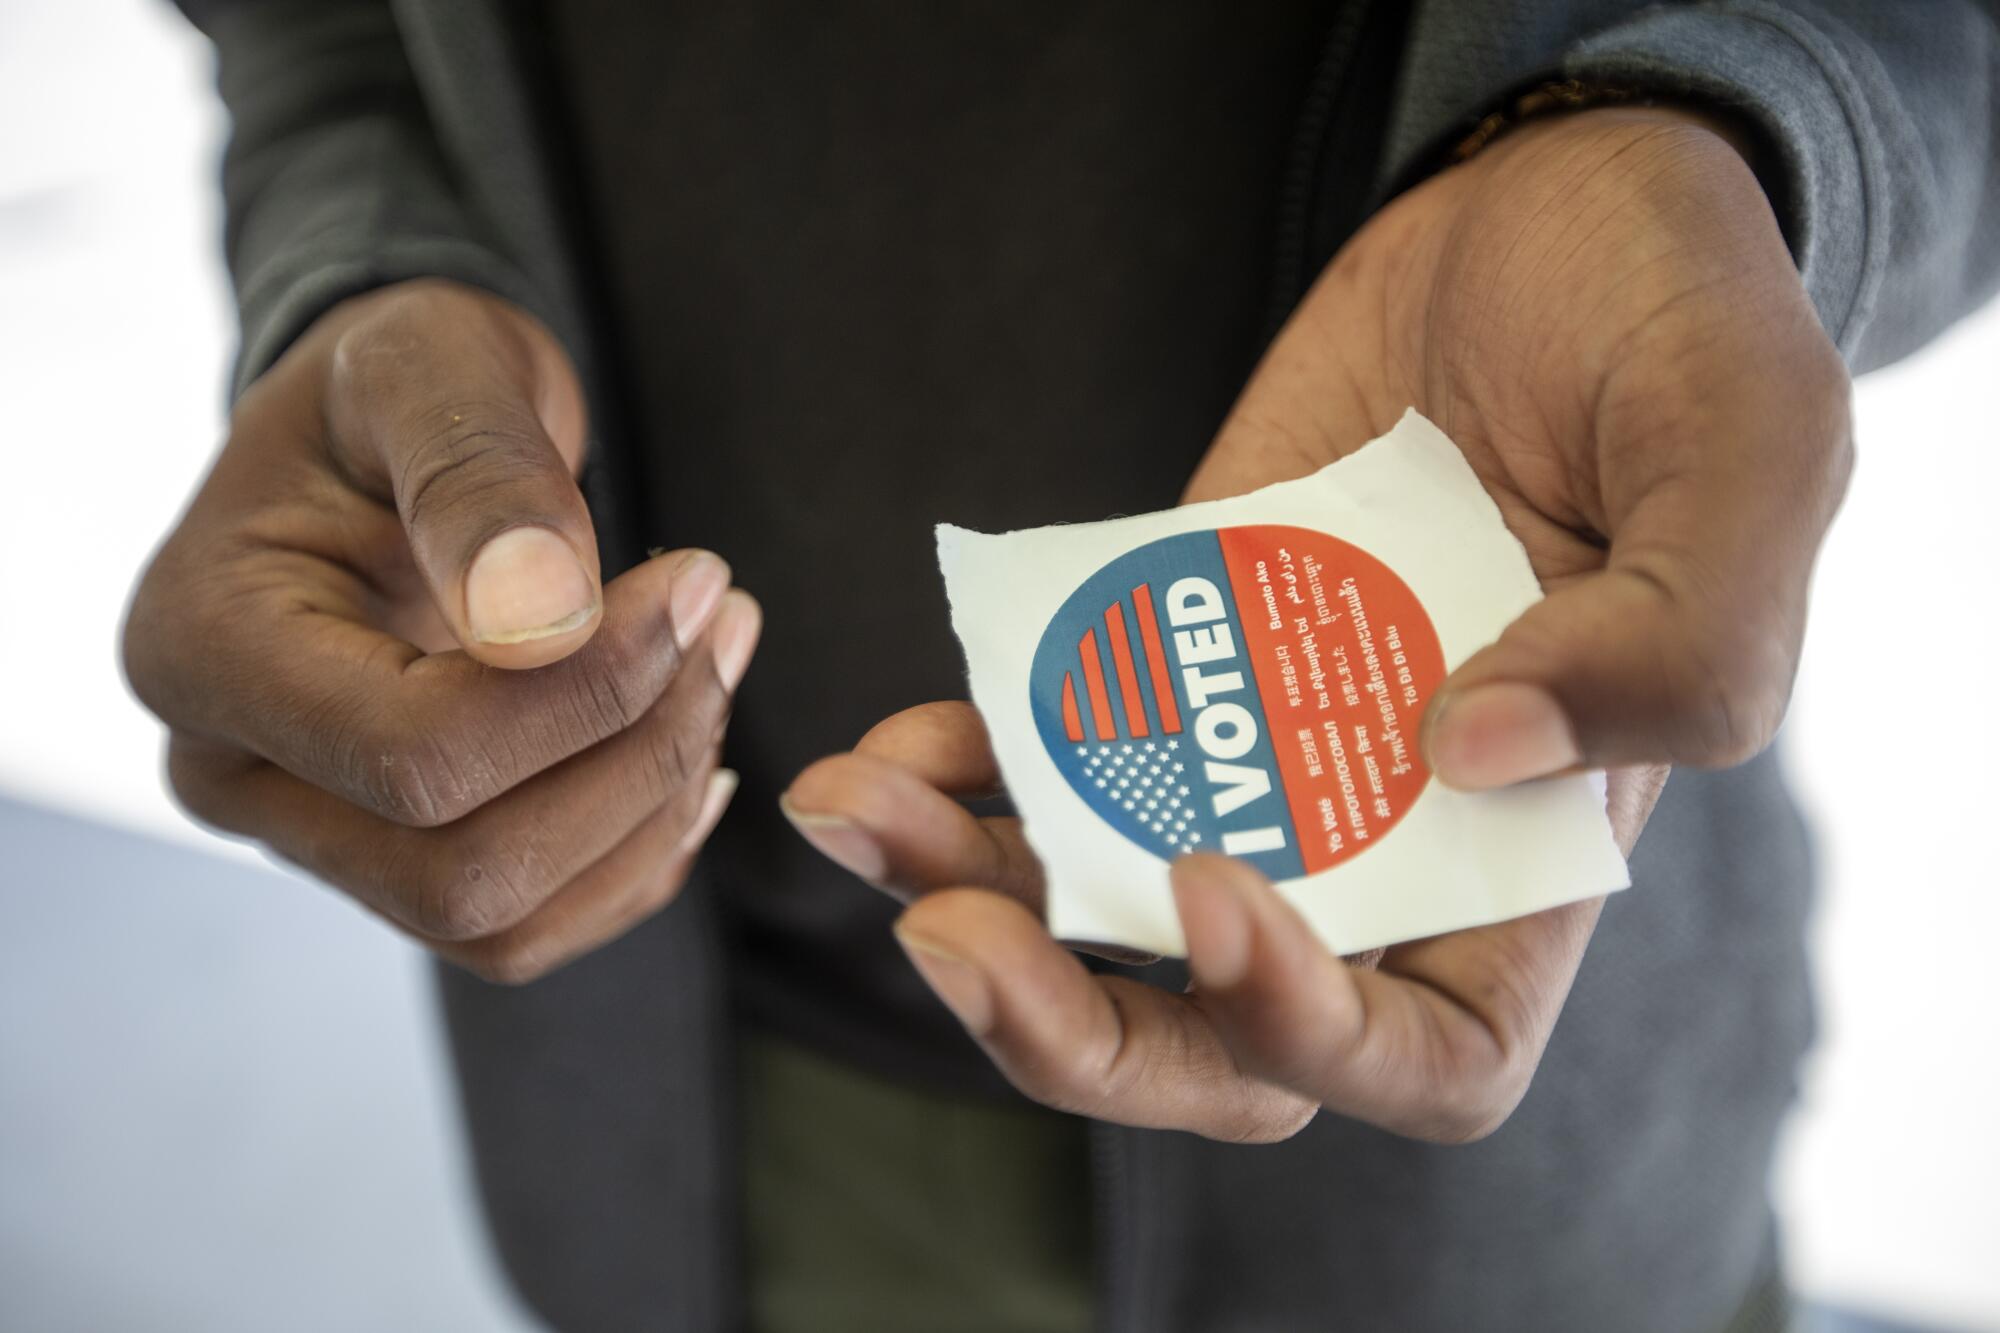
[1676, 162]
[1595, 135]
[1554, 101]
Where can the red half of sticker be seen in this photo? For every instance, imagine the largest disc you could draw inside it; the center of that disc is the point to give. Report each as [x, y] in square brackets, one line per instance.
[1345, 661]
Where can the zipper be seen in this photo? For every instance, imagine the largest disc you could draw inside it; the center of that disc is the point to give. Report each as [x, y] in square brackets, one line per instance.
[1117, 1288]
[1124, 1290]
[1292, 271]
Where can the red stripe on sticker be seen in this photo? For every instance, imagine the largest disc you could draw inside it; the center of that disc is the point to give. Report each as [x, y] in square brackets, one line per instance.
[1156, 659]
[1072, 720]
[1128, 677]
[1093, 682]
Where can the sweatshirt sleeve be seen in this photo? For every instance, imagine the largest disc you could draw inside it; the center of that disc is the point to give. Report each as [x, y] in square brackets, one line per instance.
[333, 182]
[1884, 121]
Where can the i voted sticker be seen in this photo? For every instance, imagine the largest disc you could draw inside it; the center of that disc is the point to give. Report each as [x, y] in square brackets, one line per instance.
[1252, 690]
[1230, 676]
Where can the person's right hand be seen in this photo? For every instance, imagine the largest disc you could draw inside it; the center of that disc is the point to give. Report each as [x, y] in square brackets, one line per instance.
[380, 644]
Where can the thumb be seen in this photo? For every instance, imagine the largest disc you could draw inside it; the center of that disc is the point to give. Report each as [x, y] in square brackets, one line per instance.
[1612, 671]
[466, 415]
[1680, 650]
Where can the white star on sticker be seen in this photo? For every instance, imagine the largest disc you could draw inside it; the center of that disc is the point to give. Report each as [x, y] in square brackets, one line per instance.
[1179, 767]
[1173, 837]
[1173, 745]
[1193, 838]
[1126, 749]
[1128, 805]
[1149, 747]
[1100, 782]
[1180, 791]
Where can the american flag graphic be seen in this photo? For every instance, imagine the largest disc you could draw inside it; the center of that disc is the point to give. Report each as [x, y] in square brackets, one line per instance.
[1149, 781]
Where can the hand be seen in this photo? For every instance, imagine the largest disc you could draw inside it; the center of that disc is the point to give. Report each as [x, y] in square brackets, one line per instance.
[380, 643]
[1601, 312]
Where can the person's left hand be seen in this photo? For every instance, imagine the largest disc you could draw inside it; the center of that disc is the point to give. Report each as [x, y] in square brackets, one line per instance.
[1601, 312]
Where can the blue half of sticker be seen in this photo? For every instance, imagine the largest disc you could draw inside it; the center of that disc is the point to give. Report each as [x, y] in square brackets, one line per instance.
[1144, 697]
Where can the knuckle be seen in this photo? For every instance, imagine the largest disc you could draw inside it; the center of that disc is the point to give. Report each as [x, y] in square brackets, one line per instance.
[490, 881]
[410, 784]
[382, 347]
[1823, 378]
[178, 610]
[1474, 1099]
[371, 357]
[1290, 1124]
[659, 891]
[604, 700]
[194, 785]
[676, 751]
[1727, 678]
[469, 450]
[514, 961]
[674, 758]
[1261, 1122]
[141, 644]
[1460, 1129]
[456, 902]
[401, 769]
[1142, 1051]
[1094, 1078]
[1479, 1114]
[1114, 1063]
[400, 789]
[1465, 1089]
[470, 883]
[1741, 726]
[1729, 703]
[651, 770]
[1061, 1087]
[1078, 1078]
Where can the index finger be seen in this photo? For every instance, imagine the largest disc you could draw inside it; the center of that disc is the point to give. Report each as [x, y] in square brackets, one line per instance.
[944, 743]
[1438, 1042]
[1106, 1047]
[292, 673]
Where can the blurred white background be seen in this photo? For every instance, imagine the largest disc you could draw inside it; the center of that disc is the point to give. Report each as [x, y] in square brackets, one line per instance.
[206, 1132]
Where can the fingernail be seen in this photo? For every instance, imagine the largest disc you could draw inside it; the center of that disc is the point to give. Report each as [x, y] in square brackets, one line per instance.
[700, 578]
[721, 786]
[958, 983]
[1215, 919]
[737, 626]
[839, 840]
[1494, 735]
[527, 583]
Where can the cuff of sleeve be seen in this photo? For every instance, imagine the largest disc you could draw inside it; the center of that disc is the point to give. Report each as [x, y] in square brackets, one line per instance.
[278, 305]
[1804, 86]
